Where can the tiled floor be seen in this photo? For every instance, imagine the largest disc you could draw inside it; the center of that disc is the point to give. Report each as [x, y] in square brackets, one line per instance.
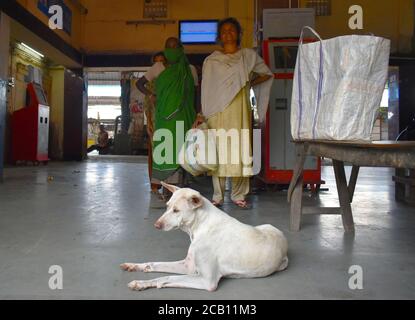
[88, 217]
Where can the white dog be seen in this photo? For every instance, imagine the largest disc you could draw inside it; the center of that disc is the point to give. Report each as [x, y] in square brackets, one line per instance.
[221, 246]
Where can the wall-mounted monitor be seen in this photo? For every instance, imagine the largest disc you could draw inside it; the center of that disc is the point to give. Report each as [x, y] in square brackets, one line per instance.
[198, 31]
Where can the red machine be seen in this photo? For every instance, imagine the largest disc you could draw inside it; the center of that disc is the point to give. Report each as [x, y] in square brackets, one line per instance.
[278, 152]
[30, 127]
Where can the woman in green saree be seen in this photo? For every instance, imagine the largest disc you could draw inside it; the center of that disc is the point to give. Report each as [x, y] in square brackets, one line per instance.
[174, 95]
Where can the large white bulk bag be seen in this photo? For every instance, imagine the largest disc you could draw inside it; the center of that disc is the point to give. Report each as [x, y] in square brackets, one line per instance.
[338, 87]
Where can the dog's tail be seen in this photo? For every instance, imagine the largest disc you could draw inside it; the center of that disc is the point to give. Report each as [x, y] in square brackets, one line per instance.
[284, 264]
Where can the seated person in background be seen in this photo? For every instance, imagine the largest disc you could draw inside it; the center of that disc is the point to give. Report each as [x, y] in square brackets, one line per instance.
[103, 144]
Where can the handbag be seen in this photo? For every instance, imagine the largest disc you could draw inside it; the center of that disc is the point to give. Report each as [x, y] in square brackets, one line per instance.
[198, 154]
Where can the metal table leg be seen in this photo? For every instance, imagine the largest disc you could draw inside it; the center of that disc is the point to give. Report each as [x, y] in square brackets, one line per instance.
[344, 195]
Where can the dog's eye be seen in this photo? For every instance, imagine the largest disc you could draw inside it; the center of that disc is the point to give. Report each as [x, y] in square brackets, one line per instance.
[175, 210]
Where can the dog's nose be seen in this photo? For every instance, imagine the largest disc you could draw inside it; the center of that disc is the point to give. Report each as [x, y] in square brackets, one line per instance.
[158, 225]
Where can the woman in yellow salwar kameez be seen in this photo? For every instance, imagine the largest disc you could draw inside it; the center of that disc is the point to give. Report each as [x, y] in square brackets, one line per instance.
[227, 78]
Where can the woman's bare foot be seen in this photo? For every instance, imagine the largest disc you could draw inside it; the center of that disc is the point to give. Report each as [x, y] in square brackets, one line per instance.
[217, 204]
[241, 204]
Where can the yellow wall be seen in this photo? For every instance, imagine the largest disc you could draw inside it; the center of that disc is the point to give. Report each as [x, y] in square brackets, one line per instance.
[106, 29]
[75, 39]
[4, 41]
[390, 19]
[18, 69]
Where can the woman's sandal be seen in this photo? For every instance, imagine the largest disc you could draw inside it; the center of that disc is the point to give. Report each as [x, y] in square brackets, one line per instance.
[157, 200]
[157, 194]
[241, 204]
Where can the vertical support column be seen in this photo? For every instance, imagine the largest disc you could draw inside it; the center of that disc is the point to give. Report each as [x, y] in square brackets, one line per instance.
[57, 103]
[125, 102]
[295, 191]
[3, 87]
[410, 191]
[75, 117]
[4, 74]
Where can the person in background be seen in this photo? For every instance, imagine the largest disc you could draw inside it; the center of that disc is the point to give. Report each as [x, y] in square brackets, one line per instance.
[103, 144]
[174, 97]
[150, 110]
[228, 76]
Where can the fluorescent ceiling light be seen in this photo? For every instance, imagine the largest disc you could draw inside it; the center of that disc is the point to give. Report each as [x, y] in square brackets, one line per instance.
[32, 50]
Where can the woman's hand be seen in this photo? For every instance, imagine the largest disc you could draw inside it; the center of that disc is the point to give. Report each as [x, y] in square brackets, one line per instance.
[259, 79]
[199, 120]
[141, 86]
[153, 98]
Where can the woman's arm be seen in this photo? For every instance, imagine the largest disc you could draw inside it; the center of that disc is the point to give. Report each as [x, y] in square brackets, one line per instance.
[141, 85]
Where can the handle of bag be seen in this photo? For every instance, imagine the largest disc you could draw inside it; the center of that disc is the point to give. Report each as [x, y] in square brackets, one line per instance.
[312, 31]
[320, 80]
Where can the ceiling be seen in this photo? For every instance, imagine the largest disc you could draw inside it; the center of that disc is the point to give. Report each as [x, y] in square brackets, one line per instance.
[21, 34]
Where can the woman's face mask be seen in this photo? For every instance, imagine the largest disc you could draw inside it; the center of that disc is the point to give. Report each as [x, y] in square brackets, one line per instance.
[173, 55]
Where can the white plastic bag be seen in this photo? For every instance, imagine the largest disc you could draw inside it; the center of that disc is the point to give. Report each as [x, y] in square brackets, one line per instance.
[198, 153]
[338, 87]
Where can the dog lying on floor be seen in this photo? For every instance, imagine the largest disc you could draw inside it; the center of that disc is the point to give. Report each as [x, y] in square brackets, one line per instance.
[221, 246]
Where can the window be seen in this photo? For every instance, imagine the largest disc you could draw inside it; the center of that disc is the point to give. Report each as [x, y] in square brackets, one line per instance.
[155, 9]
[321, 7]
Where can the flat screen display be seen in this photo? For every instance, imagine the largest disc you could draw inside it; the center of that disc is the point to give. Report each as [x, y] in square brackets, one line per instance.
[285, 57]
[198, 31]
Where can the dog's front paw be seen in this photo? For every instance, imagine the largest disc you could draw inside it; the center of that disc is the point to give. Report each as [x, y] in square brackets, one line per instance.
[133, 267]
[130, 267]
[137, 285]
[146, 267]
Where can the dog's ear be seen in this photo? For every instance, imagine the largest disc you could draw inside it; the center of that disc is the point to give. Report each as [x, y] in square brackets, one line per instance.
[196, 200]
[169, 187]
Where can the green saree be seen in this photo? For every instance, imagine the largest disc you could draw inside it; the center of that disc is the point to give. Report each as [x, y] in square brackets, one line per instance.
[175, 92]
